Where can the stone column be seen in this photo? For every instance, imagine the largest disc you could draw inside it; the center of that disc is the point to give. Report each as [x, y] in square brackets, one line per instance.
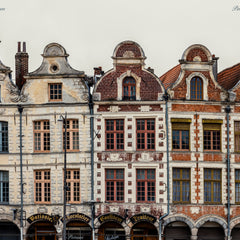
[194, 235]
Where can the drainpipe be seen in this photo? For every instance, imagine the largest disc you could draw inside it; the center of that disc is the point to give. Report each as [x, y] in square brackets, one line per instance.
[20, 110]
[165, 97]
[228, 110]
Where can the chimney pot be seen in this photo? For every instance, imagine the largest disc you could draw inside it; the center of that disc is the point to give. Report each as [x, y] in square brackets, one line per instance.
[24, 46]
[19, 47]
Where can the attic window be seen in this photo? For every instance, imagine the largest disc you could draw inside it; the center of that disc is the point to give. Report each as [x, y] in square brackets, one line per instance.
[196, 88]
[55, 91]
[129, 88]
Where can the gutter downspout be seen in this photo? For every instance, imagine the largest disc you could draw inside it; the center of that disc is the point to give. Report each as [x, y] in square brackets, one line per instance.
[228, 110]
[165, 97]
[20, 110]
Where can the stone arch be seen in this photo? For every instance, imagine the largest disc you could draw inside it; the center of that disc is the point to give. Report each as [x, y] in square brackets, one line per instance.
[54, 50]
[179, 218]
[235, 221]
[212, 218]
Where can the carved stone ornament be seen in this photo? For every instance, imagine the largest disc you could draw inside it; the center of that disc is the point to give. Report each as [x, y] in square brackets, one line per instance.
[114, 157]
[2, 110]
[16, 95]
[2, 76]
[114, 108]
[128, 54]
[145, 158]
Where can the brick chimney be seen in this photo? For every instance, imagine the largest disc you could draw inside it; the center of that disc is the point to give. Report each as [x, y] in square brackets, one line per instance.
[21, 65]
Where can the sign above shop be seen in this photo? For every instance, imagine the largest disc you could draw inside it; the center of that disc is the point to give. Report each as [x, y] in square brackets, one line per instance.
[43, 217]
[143, 217]
[77, 217]
[110, 217]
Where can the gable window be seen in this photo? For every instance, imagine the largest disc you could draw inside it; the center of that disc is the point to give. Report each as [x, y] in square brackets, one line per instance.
[114, 134]
[55, 91]
[73, 185]
[42, 183]
[181, 185]
[129, 88]
[4, 187]
[212, 186]
[114, 185]
[3, 137]
[145, 134]
[72, 135]
[196, 88]
[146, 189]
[212, 135]
[237, 135]
[41, 132]
[180, 134]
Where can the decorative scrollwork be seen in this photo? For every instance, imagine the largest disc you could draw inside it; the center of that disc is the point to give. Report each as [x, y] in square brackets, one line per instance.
[16, 94]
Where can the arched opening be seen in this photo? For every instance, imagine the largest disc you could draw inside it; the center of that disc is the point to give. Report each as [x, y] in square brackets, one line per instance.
[235, 234]
[111, 231]
[9, 231]
[211, 231]
[129, 88]
[144, 231]
[41, 231]
[196, 88]
[177, 231]
[78, 230]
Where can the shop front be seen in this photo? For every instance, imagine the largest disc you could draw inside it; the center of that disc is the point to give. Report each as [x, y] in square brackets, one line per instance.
[9, 231]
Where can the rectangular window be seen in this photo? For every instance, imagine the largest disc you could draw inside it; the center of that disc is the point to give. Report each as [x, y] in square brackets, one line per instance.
[42, 183]
[181, 185]
[145, 134]
[72, 141]
[55, 91]
[41, 132]
[4, 187]
[237, 186]
[114, 134]
[114, 185]
[212, 186]
[146, 189]
[3, 137]
[180, 136]
[237, 136]
[73, 185]
[212, 136]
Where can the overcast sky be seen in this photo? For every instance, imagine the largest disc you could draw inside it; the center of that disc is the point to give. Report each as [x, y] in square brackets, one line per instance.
[89, 30]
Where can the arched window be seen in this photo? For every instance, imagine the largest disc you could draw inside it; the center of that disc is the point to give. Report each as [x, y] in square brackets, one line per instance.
[129, 88]
[196, 88]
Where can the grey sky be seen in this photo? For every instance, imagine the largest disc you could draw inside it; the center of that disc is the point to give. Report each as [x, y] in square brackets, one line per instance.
[89, 30]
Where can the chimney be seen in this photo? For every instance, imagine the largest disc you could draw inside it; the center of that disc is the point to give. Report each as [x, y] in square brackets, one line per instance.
[215, 66]
[21, 65]
[98, 71]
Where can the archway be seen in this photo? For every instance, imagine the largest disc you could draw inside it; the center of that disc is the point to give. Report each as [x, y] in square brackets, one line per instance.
[9, 231]
[144, 231]
[211, 231]
[177, 231]
[111, 231]
[41, 230]
[235, 234]
[78, 230]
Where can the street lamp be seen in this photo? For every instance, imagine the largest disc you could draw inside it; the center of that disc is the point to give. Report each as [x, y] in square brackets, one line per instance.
[64, 120]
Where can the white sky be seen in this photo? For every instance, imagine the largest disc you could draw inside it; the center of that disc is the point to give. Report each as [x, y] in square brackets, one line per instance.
[89, 30]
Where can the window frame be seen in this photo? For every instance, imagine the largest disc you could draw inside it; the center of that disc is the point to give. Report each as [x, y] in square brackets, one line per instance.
[212, 181]
[237, 182]
[115, 181]
[115, 133]
[71, 188]
[145, 182]
[181, 180]
[130, 87]
[71, 131]
[42, 187]
[145, 131]
[196, 91]
[4, 190]
[43, 139]
[236, 136]
[4, 147]
[58, 96]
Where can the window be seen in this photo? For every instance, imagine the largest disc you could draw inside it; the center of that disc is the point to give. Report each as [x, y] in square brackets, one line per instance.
[212, 186]
[237, 136]
[73, 185]
[42, 186]
[41, 132]
[129, 88]
[72, 142]
[146, 185]
[114, 134]
[115, 185]
[55, 91]
[145, 134]
[237, 186]
[4, 187]
[196, 88]
[180, 134]
[3, 137]
[211, 136]
[181, 185]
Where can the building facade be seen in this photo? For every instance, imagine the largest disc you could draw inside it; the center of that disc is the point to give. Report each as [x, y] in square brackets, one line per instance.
[147, 157]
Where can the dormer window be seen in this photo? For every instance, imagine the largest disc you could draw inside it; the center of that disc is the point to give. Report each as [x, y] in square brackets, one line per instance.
[196, 88]
[129, 88]
[55, 91]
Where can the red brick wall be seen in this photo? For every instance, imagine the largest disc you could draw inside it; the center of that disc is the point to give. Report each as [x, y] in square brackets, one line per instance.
[197, 52]
[196, 108]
